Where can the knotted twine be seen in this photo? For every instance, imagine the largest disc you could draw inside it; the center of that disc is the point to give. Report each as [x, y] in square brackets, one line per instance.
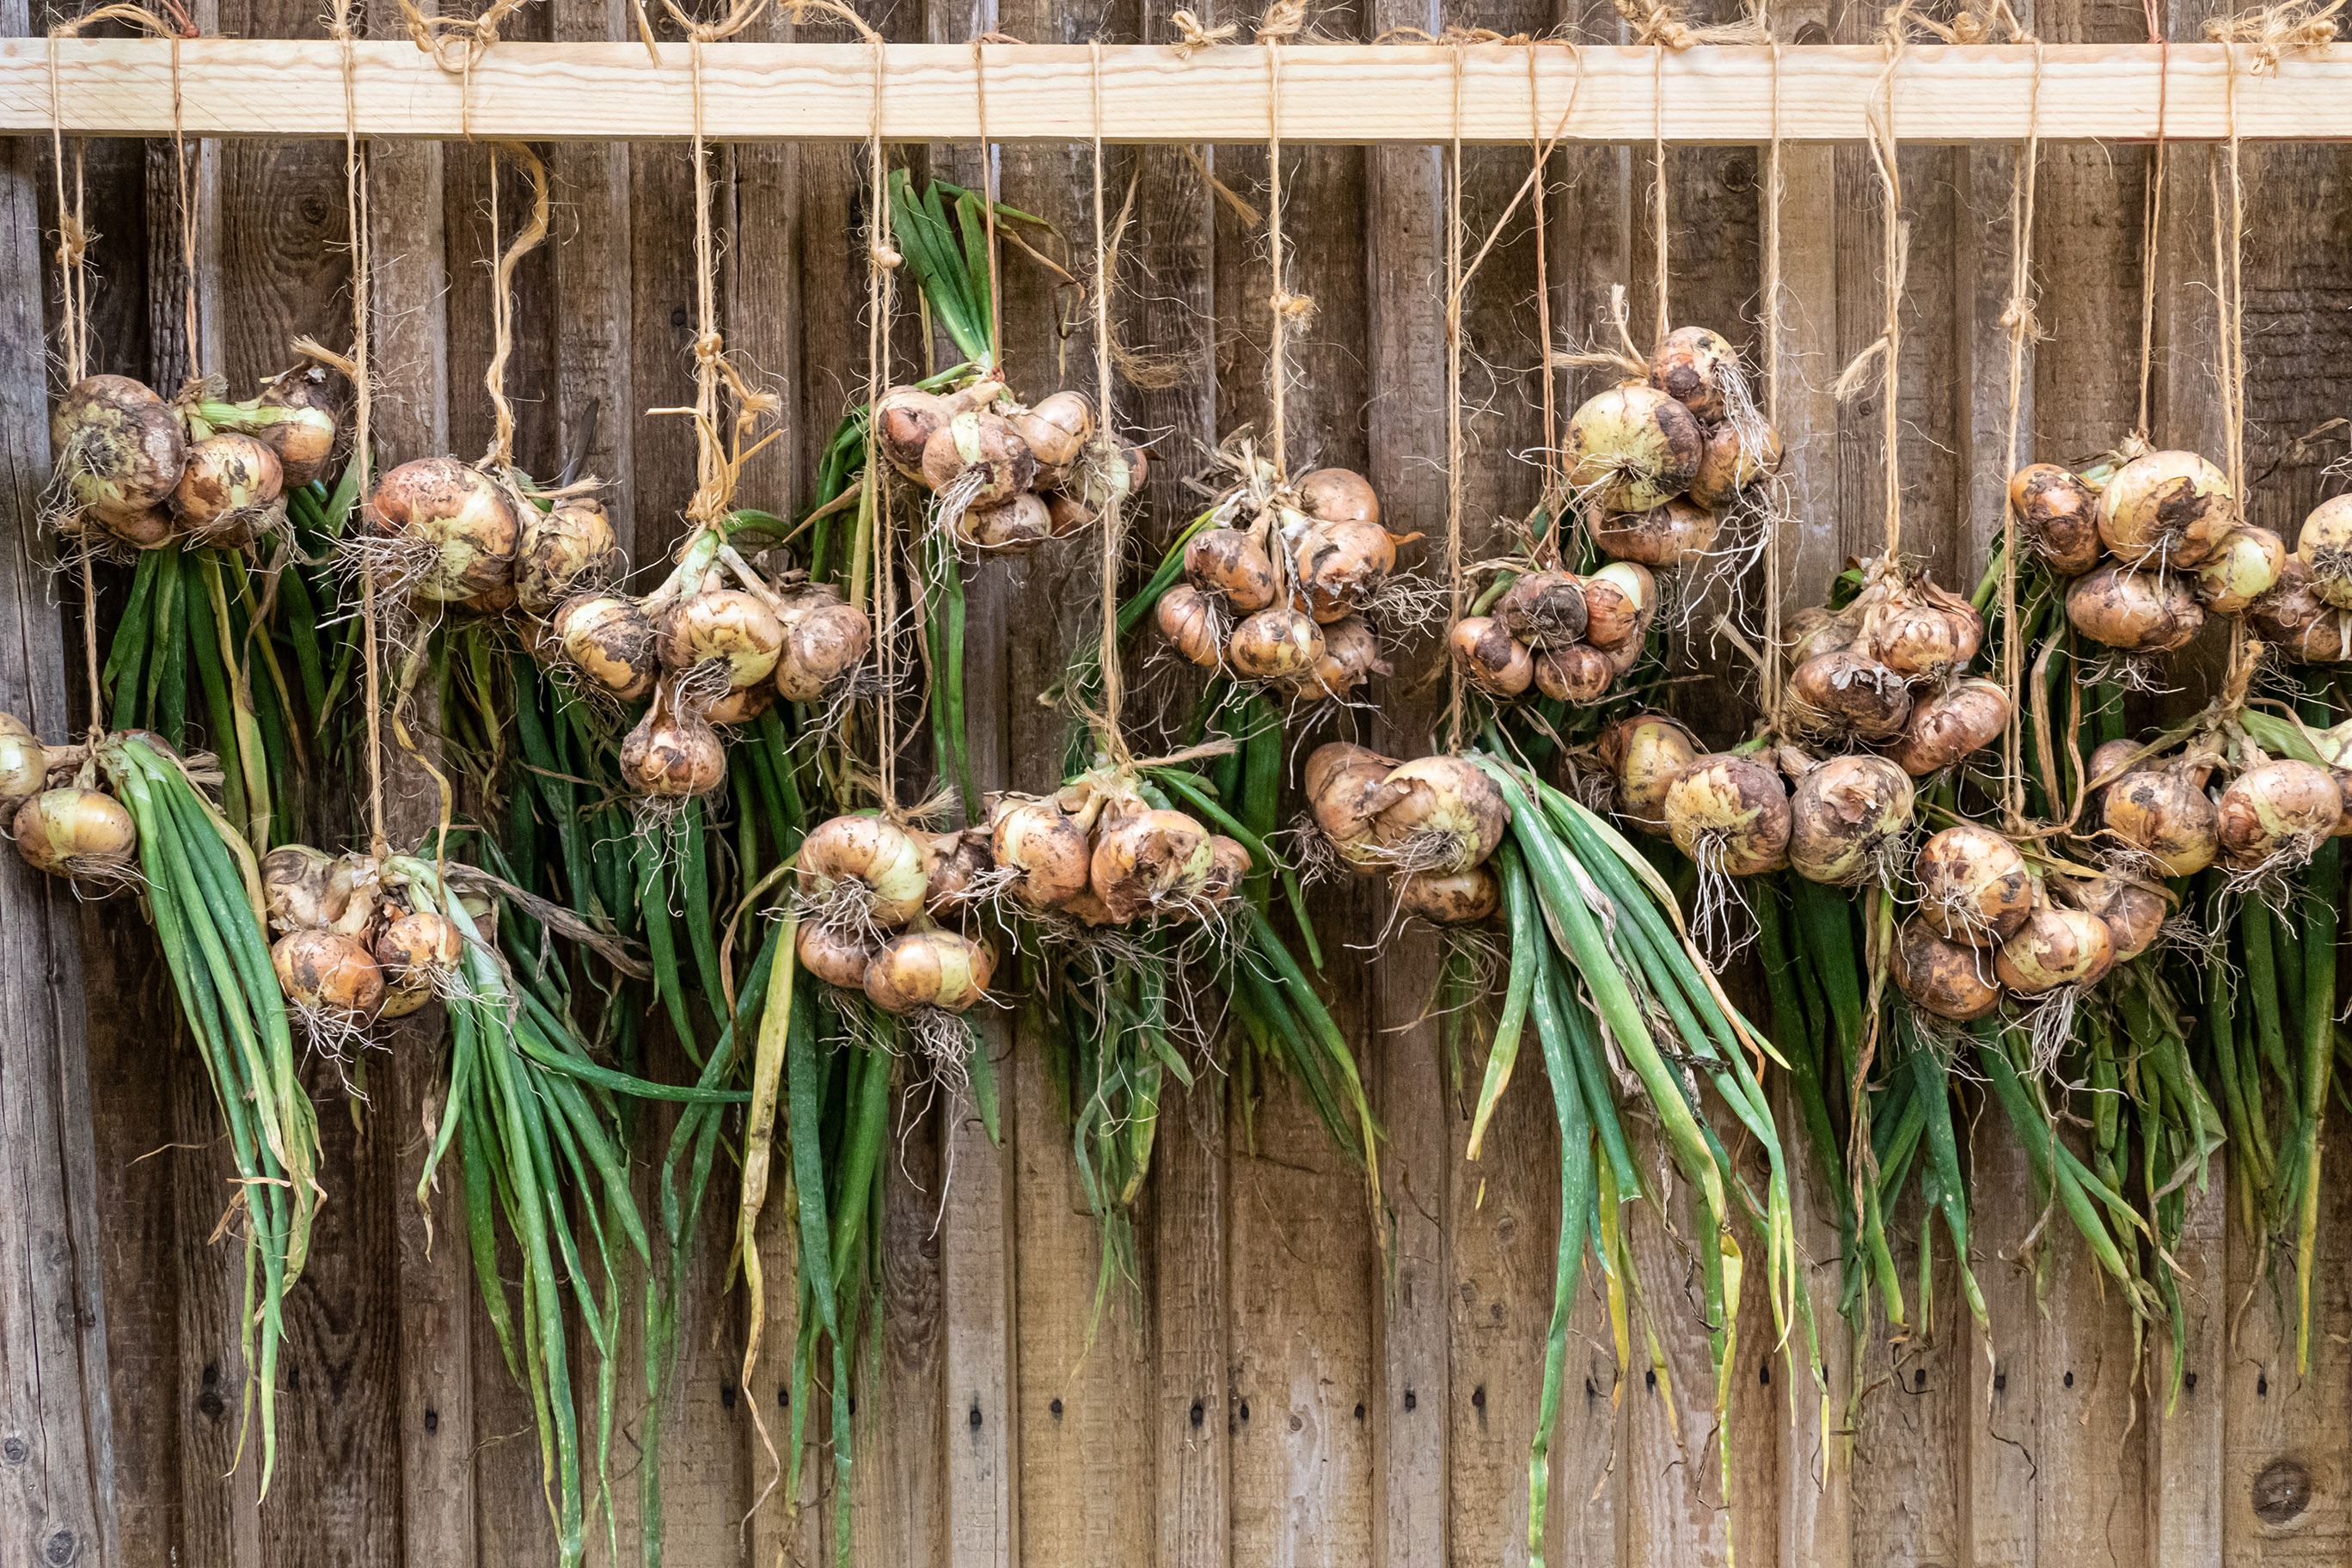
[1769, 668]
[1108, 738]
[2152, 227]
[2019, 317]
[1283, 21]
[1894, 259]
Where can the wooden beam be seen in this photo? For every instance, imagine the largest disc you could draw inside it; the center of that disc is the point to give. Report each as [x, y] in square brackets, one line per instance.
[1329, 93]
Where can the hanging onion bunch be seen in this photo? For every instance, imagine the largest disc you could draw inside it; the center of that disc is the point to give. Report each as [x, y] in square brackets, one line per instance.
[62, 822]
[1429, 824]
[1883, 672]
[1549, 632]
[1105, 852]
[1006, 477]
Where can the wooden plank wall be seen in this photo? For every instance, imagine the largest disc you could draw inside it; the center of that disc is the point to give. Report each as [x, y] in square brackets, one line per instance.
[1262, 1395]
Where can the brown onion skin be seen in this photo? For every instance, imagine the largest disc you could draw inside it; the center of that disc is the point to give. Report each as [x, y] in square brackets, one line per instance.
[2343, 777]
[672, 756]
[2054, 947]
[2137, 611]
[1645, 753]
[322, 961]
[1056, 427]
[1276, 645]
[1839, 813]
[821, 647]
[1950, 726]
[1942, 977]
[1227, 561]
[2242, 546]
[1730, 467]
[1675, 533]
[1352, 656]
[609, 642]
[2278, 804]
[905, 418]
[419, 499]
[2059, 515]
[1191, 624]
[2292, 603]
[564, 550]
[1046, 847]
[1451, 793]
[1544, 609]
[1450, 899]
[1615, 618]
[919, 969]
[838, 958]
[1347, 786]
[415, 945]
[1018, 522]
[1666, 425]
[2326, 641]
[1917, 640]
[1337, 495]
[226, 473]
[2172, 507]
[1973, 885]
[2132, 913]
[1813, 631]
[1737, 798]
[120, 447]
[1490, 657]
[1690, 365]
[1341, 565]
[2165, 815]
[74, 807]
[1845, 694]
[1575, 673]
[1137, 861]
[980, 443]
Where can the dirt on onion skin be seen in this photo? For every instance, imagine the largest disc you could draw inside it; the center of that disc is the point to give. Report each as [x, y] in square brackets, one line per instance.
[1973, 884]
[122, 447]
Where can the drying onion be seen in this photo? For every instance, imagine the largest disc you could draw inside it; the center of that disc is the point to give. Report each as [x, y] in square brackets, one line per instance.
[1645, 755]
[74, 832]
[1942, 977]
[2132, 914]
[2163, 814]
[871, 866]
[1491, 659]
[2138, 612]
[927, 969]
[1341, 565]
[566, 548]
[2059, 516]
[1440, 814]
[1846, 694]
[740, 706]
[2325, 640]
[1145, 860]
[2325, 547]
[1049, 850]
[609, 642]
[149, 529]
[1449, 898]
[960, 861]
[2055, 946]
[1735, 459]
[329, 975]
[1729, 815]
[1844, 816]
[1336, 495]
[823, 643]
[2277, 809]
[1056, 427]
[1227, 561]
[2166, 508]
[23, 763]
[905, 419]
[980, 452]
[724, 625]
[119, 446]
[1346, 787]
[1973, 884]
[1632, 447]
[671, 755]
[1352, 656]
[2243, 568]
[1192, 623]
[836, 955]
[1920, 640]
[1813, 631]
[1692, 365]
[1575, 673]
[418, 946]
[293, 415]
[1276, 645]
[1018, 522]
[456, 517]
[1948, 726]
[1544, 609]
[1674, 533]
[2289, 607]
[1619, 600]
[300, 888]
[229, 478]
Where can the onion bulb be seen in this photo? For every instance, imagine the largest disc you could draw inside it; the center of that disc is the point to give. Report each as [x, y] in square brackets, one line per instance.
[329, 975]
[1145, 860]
[2166, 508]
[740, 706]
[1942, 977]
[1674, 533]
[1352, 656]
[727, 625]
[2163, 814]
[958, 863]
[1920, 640]
[567, 548]
[75, 832]
[1044, 846]
[2242, 569]
[1018, 522]
[1645, 753]
[2289, 607]
[905, 419]
[1227, 561]
[24, 763]
[876, 868]
[1544, 609]
[1844, 816]
[823, 643]
[982, 450]
[1346, 785]
[1948, 726]
[927, 969]
[1813, 631]
[1619, 600]
[1973, 885]
[2138, 612]
[609, 642]
[2109, 756]
[1341, 565]
[416, 947]
[1490, 657]
[1846, 693]
[2055, 946]
[834, 955]
[1276, 645]
[1692, 365]
[671, 755]
[229, 478]
[2325, 640]
[1734, 461]
[1575, 673]
[1336, 495]
[2132, 913]
[2275, 809]
[1632, 447]
[2325, 547]
[1729, 815]
[119, 446]
[149, 530]
[1449, 898]
[1440, 814]
[294, 417]
[1056, 427]
[1193, 625]
[2059, 516]
[458, 519]
[300, 889]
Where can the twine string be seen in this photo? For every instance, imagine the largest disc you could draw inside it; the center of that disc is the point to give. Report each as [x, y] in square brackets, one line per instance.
[1287, 307]
[355, 212]
[1658, 185]
[1542, 199]
[882, 259]
[2019, 317]
[1455, 690]
[1894, 258]
[500, 455]
[2149, 262]
[988, 194]
[1768, 668]
[1107, 731]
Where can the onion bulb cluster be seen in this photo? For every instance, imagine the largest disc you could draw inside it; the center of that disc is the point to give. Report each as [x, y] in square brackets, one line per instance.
[62, 825]
[2308, 611]
[455, 533]
[1558, 634]
[1882, 673]
[1285, 591]
[1098, 853]
[347, 950]
[1987, 929]
[873, 895]
[1008, 477]
[137, 471]
[1430, 825]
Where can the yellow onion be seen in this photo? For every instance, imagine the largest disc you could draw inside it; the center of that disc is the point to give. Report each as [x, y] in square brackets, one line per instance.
[2138, 612]
[836, 956]
[565, 548]
[1619, 601]
[1632, 447]
[905, 419]
[1942, 977]
[328, 975]
[609, 642]
[1734, 461]
[1813, 631]
[2244, 567]
[980, 449]
[1729, 815]
[2166, 508]
[1341, 565]
[1948, 726]
[1346, 787]
[1544, 609]
[294, 416]
[2059, 516]
[1973, 885]
[1449, 898]
[671, 755]
[2132, 914]
[1276, 645]
[2326, 641]
[457, 516]
[400, 1000]
[2277, 808]
[2055, 946]
[149, 529]
[227, 480]
[1352, 656]
[1336, 495]
[23, 763]
[1490, 657]
[1191, 622]
[1068, 515]
[75, 832]
[1229, 862]
[2108, 757]
[1048, 849]
[1844, 816]
[1919, 639]
[958, 863]
[2163, 814]
[2289, 605]
[740, 706]
[869, 864]
[1645, 753]
[300, 888]
[1227, 561]
[822, 644]
[1145, 860]
[1846, 694]
[2325, 547]
[1437, 814]
[724, 625]
[1674, 533]
[929, 969]
[119, 446]
[1576, 674]
[1018, 522]
[1056, 427]
[1692, 365]
[418, 946]
[492, 601]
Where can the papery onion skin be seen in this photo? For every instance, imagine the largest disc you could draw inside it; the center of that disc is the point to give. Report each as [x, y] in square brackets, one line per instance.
[415, 946]
[23, 763]
[401, 1000]
[835, 956]
[1813, 631]
[672, 756]
[324, 971]
[1691, 365]
[1645, 755]
[741, 706]
[1730, 814]
[1450, 899]
[2132, 913]
[227, 477]
[905, 419]
[1917, 640]
[1576, 674]
[1049, 850]
[1068, 515]
[1190, 622]
[1675, 533]
[726, 625]
[1973, 884]
[885, 866]
[2059, 516]
[74, 832]
[2134, 611]
[1490, 657]
[121, 447]
[1347, 786]
[2243, 568]
[1352, 656]
[927, 969]
[2324, 545]
[821, 647]
[459, 513]
[958, 861]
[1276, 645]
[981, 445]
[1846, 694]
[563, 550]
[1946, 978]
[1056, 427]
[1146, 859]
[1544, 609]
[1018, 522]
[2291, 605]
[1950, 726]
[149, 529]
[1632, 447]
[2055, 946]
[2325, 640]
[1341, 565]
[608, 640]
[1618, 603]
[1227, 561]
[2163, 814]
[2167, 507]
[1337, 495]
[2280, 806]
[1842, 815]
[300, 889]
[1734, 461]
[1437, 800]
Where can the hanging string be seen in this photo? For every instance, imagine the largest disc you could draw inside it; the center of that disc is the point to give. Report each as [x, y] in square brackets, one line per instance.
[2154, 207]
[1107, 737]
[2231, 266]
[1455, 584]
[500, 455]
[1768, 668]
[1542, 152]
[2023, 329]
[1894, 258]
[1658, 186]
[988, 199]
[1282, 22]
